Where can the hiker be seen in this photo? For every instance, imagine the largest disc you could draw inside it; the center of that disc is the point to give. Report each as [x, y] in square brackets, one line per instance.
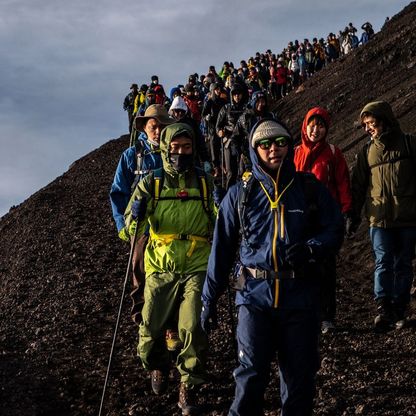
[128, 104]
[135, 163]
[288, 222]
[175, 204]
[368, 33]
[210, 113]
[180, 112]
[326, 161]
[257, 110]
[192, 102]
[150, 99]
[158, 90]
[226, 121]
[384, 182]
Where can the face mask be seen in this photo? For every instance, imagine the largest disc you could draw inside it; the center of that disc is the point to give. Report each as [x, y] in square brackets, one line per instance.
[181, 162]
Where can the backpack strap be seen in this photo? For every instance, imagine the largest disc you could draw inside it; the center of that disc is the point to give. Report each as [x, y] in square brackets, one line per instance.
[247, 182]
[158, 177]
[139, 161]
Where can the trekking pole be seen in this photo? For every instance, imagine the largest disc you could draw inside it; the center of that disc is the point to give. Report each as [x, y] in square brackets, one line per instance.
[222, 163]
[129, 266]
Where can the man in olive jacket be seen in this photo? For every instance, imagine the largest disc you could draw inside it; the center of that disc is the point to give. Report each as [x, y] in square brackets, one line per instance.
[175, 202]
[384, 182]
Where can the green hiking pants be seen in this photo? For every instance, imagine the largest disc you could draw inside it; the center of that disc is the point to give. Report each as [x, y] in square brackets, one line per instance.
[164, 295]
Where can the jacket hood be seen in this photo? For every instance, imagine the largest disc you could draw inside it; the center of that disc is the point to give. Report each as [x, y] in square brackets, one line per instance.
[316, 111]
[382, 110]
[287, 167]
[255, 97]
[178, 104]
[166, 136]
[173, 91]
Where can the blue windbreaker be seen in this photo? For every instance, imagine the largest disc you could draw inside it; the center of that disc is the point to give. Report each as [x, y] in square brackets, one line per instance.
[124, 177]
[269, 232]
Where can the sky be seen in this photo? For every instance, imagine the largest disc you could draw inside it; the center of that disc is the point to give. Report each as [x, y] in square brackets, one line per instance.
[66, 66]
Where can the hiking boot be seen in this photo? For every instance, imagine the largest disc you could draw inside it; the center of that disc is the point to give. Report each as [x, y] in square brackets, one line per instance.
[401, 316]
[386, 317]
[327, 327]
[187, 400]
[159, 380]
[173, 343]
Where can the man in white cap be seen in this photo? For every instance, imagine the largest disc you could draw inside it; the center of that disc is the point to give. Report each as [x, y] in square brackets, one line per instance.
[282, 222]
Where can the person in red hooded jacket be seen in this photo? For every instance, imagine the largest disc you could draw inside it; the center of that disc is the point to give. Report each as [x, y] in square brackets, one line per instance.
[327, 163]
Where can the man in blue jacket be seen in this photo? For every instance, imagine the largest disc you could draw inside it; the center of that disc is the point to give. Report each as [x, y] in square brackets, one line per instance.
[135, 163]
[287, 222]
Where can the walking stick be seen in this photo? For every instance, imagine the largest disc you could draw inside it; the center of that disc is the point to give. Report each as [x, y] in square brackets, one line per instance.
[128, 271]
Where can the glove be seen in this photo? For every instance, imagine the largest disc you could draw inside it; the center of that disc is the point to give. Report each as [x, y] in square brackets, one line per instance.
[124, 234]
[138, 209]
[351, 224]
[299, 254]
[207, 167]
[218, 194]
[209, 318]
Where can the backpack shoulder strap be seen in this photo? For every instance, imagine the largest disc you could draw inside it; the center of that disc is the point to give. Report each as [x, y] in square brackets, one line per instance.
[246, 185]
[203, 188]
[157, 185]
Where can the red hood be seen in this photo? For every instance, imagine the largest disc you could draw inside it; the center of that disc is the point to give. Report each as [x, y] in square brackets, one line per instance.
[316, 111]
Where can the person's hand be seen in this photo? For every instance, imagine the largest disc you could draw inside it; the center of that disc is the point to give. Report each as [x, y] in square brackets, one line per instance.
[351, 224]
[124, 234]
[299, 254]
[209, 318]
[207, 167]
[218, 194]
[138, 209]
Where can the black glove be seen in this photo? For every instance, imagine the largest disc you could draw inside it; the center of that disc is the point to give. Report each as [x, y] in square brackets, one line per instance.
[138, 209]
[209, 318]
[299, 254]
[352, 223]
[218, 195]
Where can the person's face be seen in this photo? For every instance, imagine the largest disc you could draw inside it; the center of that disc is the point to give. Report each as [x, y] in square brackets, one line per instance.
[316, 130]
[178, 114]
[217, 92]
[152, 128]
[237, 97]
[271, 152]
[260, 104]
[181, 145]
[372, 126]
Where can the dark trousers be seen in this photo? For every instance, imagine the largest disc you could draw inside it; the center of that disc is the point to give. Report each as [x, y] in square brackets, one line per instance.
[328, 288]
[231, 163]
[293, 334]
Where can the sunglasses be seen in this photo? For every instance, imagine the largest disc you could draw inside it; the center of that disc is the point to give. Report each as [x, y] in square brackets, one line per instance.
[267, 143]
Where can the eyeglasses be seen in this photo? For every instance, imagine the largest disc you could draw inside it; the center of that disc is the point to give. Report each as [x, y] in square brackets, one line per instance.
[267, 143]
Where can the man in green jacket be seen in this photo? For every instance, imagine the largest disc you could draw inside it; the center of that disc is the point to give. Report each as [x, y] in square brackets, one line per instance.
[175, 202]
[384, 182]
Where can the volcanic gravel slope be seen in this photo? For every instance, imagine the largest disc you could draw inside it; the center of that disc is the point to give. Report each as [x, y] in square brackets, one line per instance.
[62, 270]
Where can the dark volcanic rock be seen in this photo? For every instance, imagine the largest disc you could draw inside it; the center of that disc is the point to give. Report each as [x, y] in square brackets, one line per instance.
[62, 270]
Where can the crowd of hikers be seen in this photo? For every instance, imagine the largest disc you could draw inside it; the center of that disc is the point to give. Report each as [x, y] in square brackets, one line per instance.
[214, 193]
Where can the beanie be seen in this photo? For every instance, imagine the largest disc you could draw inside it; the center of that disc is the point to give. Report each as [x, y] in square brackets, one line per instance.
[268, 129]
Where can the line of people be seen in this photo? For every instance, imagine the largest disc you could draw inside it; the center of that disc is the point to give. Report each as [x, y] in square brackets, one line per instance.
[202, 196]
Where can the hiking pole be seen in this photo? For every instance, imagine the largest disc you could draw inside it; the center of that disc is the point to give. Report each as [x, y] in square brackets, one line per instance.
[232, 322]
[222, 163]
[128, 271]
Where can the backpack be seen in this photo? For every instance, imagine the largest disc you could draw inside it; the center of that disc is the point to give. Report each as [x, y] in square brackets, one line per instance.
[309, 184]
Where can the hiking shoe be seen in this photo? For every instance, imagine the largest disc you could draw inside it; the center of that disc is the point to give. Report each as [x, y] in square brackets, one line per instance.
[327, 327]
[386, 317]
[187, 400]
[173, 343]
[159, 380]
[401, 315]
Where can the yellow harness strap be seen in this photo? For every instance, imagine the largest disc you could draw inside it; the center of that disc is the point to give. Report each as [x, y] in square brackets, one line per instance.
[168, 238]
